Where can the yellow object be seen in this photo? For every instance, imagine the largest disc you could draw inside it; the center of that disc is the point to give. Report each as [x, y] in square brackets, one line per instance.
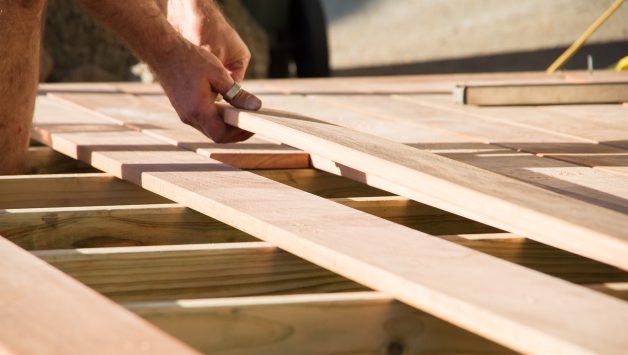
[622, 64]
[583, 38]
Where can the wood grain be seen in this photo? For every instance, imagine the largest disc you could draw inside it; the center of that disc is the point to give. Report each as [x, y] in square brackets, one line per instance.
[371, 323]
[452, 186]
[155, 273]
[526, 310]
[108, 226]
[58, 190]
[542, 93]
[46, 312]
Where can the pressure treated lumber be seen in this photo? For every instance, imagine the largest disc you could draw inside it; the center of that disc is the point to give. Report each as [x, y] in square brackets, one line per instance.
[46, 312]
[458, 188]
[320, 183]
[337, 323]
[256, 268]
[154, 273]
[541, 93]
[416, 268]
[416, 215]
[58, 190]
[43, 160]
[109, 226]
[160, 224]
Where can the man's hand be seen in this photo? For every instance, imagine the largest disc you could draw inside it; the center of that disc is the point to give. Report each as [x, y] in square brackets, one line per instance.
[202, 23]
[192, 79]
[191, 75]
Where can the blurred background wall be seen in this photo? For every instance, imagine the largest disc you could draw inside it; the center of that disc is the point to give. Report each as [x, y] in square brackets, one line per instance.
[310, 38]
[423, 36]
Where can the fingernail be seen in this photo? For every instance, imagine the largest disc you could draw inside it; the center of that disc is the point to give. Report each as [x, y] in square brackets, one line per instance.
[252, 103]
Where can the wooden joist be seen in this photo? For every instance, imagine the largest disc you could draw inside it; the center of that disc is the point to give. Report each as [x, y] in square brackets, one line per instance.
[59, 190]
[356, 322]
[425, 272]
[45, 311]
[44, 160]
[170, 272]
[541, 93]
[108, 226]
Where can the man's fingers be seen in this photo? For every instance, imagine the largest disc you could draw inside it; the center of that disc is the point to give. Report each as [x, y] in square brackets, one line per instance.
[247, 101]
[221, 81]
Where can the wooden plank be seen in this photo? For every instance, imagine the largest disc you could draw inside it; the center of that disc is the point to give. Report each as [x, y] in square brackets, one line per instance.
[162, 122]
[451, 186]
[46, 312]
[58, 190]
[153, 273]
[491, 130]
[416, 268]
[459, 138]
[108, 226]
[339, 323]
[541, 93]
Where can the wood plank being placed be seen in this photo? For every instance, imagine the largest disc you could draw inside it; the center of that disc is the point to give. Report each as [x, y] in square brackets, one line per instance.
[474, 193]
[155, 273]
[337, 323]
[483, 294]
[109, 226]
[46, 312]
[541, 93]
[465, 139]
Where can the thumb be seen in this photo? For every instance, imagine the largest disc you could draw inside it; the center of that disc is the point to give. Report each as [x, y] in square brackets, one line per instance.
[221, 81]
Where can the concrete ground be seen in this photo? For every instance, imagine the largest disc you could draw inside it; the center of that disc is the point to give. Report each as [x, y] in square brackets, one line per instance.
[380, 33]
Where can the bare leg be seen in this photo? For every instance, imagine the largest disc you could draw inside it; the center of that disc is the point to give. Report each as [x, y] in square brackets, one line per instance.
[20, 33]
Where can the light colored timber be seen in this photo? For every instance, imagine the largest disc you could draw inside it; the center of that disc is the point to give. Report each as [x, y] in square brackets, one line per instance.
[44, 160]
[58, 190]
[162, 122]
[541, 94]
[458, 188]
[457, 137]
[108, 226]
[465, 120]
[337, 323]
[46, 312]
[153, 273]
[492, 297]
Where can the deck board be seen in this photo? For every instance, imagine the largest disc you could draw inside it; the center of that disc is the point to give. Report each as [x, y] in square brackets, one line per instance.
[424, 273]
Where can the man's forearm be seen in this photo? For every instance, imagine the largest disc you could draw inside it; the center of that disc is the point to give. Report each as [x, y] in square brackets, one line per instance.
[141, 24]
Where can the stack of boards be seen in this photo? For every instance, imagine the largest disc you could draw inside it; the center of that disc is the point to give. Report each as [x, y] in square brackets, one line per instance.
[367, 215]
